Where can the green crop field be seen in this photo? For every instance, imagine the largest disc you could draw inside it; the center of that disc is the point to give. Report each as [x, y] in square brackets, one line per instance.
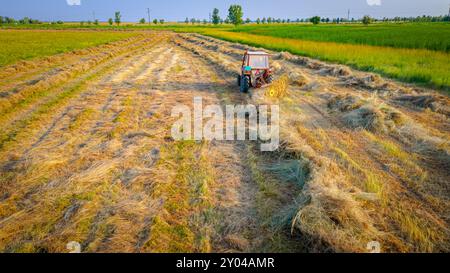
[24, 45]
[434, 36]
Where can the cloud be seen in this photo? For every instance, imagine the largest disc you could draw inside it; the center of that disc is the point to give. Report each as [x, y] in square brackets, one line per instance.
[374, 2]
[73, 2]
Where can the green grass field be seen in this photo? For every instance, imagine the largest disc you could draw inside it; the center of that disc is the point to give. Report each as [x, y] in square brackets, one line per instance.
[434, 36]
[19, 45]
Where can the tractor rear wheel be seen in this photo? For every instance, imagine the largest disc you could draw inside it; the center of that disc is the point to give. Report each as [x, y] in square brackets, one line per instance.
[245, 84]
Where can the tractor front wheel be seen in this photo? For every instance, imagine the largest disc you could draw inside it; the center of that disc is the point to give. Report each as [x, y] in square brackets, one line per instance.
[245, 84]
[269, 79]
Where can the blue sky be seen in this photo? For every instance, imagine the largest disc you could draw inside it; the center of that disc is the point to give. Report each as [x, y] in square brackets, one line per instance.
[175, 10]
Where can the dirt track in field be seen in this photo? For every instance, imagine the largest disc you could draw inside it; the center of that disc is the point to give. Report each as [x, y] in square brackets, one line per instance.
[86, 155]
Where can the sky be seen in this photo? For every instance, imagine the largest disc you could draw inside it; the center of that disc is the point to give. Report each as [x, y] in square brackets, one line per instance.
[178, 10]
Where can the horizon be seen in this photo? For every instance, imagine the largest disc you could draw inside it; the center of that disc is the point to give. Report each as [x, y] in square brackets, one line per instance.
[177, 11]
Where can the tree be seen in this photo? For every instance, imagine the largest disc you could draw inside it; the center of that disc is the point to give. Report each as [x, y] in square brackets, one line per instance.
[142, 21]
[155, 21]
[96, 22]
[258, 21]
[205, 21]
[110, 21]
[117, 17]
[248, 21]
[235, 14]
[1, 20]
[161, 21]
[366, 20]
[193, 21]
[186, 21]
[264, 20]
[315, 20]
[215, 16]
[25, 21]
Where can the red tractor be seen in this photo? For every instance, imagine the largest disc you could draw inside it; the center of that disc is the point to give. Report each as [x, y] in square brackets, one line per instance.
[255, 71]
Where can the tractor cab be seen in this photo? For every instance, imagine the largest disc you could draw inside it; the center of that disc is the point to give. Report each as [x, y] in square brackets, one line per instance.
[255, 70]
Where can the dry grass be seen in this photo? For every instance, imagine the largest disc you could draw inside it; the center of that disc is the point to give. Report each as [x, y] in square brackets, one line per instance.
[94, 163]
[279, 87]
[353, 200]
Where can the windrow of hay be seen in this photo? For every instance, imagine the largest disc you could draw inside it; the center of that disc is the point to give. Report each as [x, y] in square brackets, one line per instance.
[368, 115]
[435, 103]
[11, 100]
[20, 123]
[334, 212]
[371, 81]
[298, 79]
[328, 214]
[50, 61]
[223, 64]
[76, 184]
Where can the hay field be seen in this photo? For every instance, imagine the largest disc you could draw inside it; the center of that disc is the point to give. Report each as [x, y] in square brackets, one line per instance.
[86, 155]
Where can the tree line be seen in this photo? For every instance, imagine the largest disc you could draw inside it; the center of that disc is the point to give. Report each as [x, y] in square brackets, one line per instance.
[235, 17]
[24, 21]
[111, 21]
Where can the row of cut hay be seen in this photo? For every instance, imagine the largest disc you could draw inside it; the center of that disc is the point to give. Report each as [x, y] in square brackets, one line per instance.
[14, 119]
[414, 97]
[333, 214]
[51, 65]
[378, 117]
[223, 64]
[84, 198]
[47, 62]
[328, 202]
[66, 91]
[10, 102]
